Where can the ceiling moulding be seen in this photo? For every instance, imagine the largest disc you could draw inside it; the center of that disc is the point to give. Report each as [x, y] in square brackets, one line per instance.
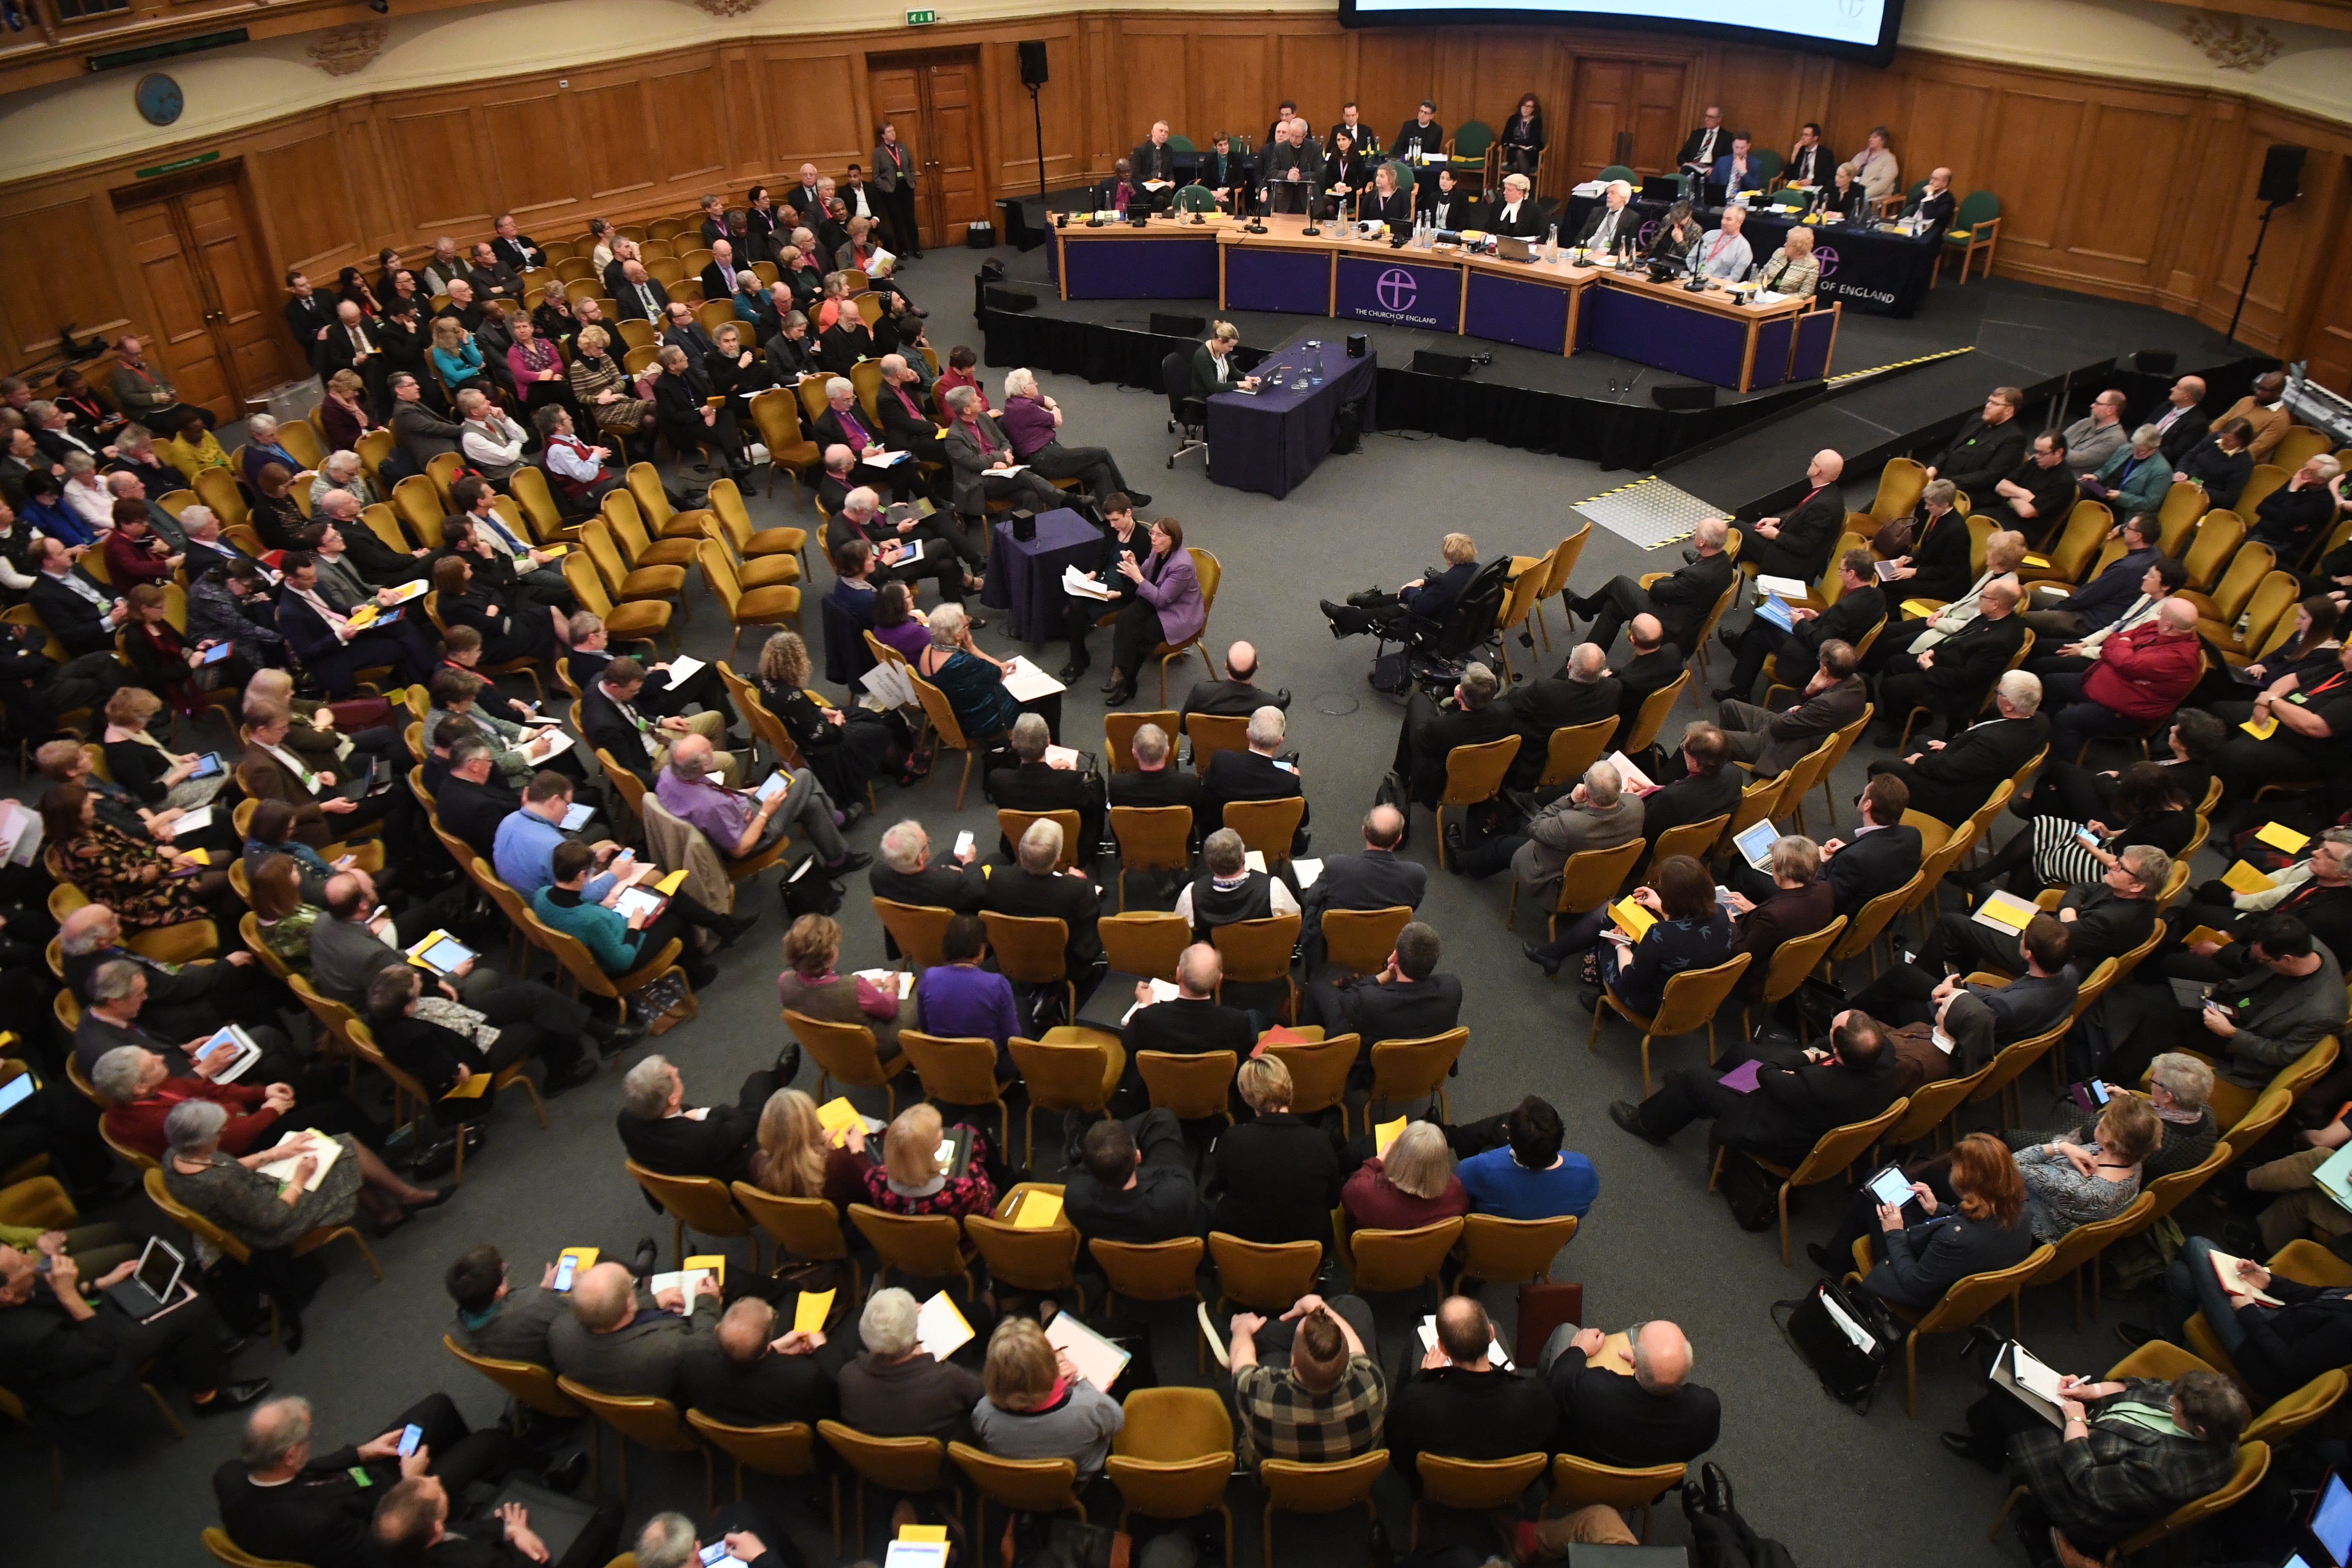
[724, 9]
[2231, 42]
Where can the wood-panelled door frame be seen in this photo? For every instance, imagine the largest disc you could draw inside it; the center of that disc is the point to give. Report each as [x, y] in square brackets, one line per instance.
[218, 326]
[1654, 87]
[934, 98]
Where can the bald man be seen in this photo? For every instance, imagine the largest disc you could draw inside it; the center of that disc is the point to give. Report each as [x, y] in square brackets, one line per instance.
[1952, 679]
[1798, 543]
[1378, 877]
[756, 1371]
[1238, 695]
[1650, 1414]
[622, 1338]
[1459, 1404]
[2141, 676]
[2181, 422]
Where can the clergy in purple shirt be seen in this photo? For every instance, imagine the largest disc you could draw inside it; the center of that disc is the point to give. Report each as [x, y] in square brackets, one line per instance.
[962, 1000]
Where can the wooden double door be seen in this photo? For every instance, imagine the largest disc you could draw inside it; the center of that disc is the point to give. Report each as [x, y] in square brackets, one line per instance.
[933, 100]
[1626, 111]
[198, 250]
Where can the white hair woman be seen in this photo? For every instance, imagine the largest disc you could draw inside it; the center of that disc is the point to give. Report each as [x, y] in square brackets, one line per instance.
[974, 681]
[895, 1389]
[1412, 1184]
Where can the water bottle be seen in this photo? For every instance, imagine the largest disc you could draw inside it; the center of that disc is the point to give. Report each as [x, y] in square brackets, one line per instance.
[1551, 243]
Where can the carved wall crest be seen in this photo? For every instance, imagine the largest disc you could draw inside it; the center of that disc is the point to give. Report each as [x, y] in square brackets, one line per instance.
[339, 51]
[722, 9]
[2231, 42]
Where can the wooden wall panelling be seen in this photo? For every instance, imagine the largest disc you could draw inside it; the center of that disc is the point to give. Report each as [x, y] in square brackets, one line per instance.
[2115, 226]
[2031, 172]
[43, 294]
[359, 150]
[1230, 86]
[1759, 95]
[2327, 330]
[823, 117]
[1099, 109]
[302, 198]
[1159, 64]
[615, 141]
[1307, 68]
[687, 124]
[445, 180]
[1395, 69]
[529, 145]
[1496, 60]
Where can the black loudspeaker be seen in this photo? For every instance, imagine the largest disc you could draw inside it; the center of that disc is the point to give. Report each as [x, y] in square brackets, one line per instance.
[1356, 346]
[1024, 526]
[2281, 173]
[998, 297]
[1033, 62]
[1178, 326]
[1682, 399]
[1427, 363]
[2155, 362]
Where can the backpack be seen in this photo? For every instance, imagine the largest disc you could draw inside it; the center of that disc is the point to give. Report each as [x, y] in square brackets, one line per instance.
[807, 889]
[1846, 1337]
[1754, 1200]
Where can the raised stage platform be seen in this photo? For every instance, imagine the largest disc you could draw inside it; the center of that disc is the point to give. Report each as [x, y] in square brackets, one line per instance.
[1893, 382]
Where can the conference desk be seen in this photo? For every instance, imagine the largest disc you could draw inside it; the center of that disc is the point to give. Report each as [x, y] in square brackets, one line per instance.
[1170, 258]
[1547, 305]
[1879, 272]
[1270, 440]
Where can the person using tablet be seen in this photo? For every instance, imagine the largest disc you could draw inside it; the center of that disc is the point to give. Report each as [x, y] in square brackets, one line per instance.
[1921, 1244]
[69, 1355]
[629, 925]
[443, 1045]
[1800, 904]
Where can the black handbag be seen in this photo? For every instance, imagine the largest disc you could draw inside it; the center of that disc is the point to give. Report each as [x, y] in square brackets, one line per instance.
[1846, 1337]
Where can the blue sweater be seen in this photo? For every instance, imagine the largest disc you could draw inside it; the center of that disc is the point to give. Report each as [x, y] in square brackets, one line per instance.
[1498, 1186]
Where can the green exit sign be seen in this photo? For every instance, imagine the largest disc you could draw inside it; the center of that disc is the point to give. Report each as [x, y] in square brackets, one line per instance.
[921, 18]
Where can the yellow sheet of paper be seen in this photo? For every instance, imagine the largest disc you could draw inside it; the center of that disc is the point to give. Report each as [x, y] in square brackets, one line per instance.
[585, 1257]
[472, 1089]
[1615, 1355]
[2007, 914]
[1038, 1210]
[2261, 728]
[838, 1115]
[2242, 878]
[1918, 609]
[2280, 837]
[554, 549]
[1387, 1133]
[2043, 561]
[2205, 934]
[811, 1311]
[671, 883]
[921, 1533]
[715, 1262]
[201, 856]
[1631, 918]
[362, 618]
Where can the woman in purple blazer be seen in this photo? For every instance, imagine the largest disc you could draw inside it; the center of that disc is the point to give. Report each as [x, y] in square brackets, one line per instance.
[1168, 607]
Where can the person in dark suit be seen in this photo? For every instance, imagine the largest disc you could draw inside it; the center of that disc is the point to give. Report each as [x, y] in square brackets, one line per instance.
[1735, 169]
[474, 800]
[680, 395]
[1134, 1184]
[280, 1502]
[640, 297]
[1451, 206]
[678, 326]
[1655, 665]
[622, 1338]
[2220, 464]
[1430, 732]
[1155, 780]
[1347, 174]
[906, 872]
[1033, 889]
[755, 1372]
[2041, 492]
[1680, 600]
[2040, 998]
[1799, 1095]
[843, 424]
[1277, 1177]
[1238, 695]
[1613, 223]
[1214, 367]
[663, 1133]
[719, 272]
[1772, 740]
[1707, 141]
[1427, 597]
[1979, 1229]
[1938, 564]
[1694, 786]
[1515, 212]
[1378, 877]
[1421, 135]
[1934, 206]
[494, 1317]
[1985, 449]
[1154, 162]
[1032, 783]
[308, 314]
[1581, 692]
[1860, 606]
[860, 517]
[1195, 1022]
[1653, 1414]
[1951, 780]
[1408, 1000]
[1884, 854]
[910, 421]
[2180, 421]
[2105, 918]
[1258, 773]
[1291, 172]
[1457, 1405]
[79, 611]
[1809, 162]
[1223, 173]
[1797, 542]
[1388, 200]
[2102, 602]
[1952, 679]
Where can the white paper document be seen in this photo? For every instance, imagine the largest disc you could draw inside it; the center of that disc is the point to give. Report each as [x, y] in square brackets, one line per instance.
[1630, 776]
[1082, 586]
[941, 1329]
[684, 670]
[1496, 1355]
[192, 822]
[1306, 871]
[1098, 1360]
[1027, 683]
[576, 815]
[1161, 991]
[1781, 587]
[891, 684]
[325, 1148]
[902, 981]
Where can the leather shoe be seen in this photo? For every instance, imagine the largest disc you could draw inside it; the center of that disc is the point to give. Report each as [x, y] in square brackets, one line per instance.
[1628, 1115]
[1718, 1488]
[231, 1397]
[1534, 954]
[1965, 1446]
[566, 1476]
[2134, 1335]
[1824, 1258]
[856, 861]
[1138, 497]
[646, 1255]
[1070, 672]
[731, 931]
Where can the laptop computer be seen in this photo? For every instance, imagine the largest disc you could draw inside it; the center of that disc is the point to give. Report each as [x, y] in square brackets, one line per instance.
[153, 1287]
[1510, 247]
[1662, 188]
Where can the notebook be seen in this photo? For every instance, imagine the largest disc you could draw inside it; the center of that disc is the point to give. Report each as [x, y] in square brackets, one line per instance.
[1098, 1360]
[2004, 911]
[941, 1329]
[282, 1169]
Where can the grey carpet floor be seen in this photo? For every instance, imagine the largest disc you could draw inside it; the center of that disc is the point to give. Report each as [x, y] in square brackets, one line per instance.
[1807, 1471]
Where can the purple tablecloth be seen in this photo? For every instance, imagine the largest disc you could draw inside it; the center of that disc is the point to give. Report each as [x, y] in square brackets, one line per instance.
[1025, 578]
[1270, 440]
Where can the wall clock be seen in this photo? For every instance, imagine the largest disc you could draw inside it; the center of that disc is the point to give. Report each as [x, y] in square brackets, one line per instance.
[159, 98]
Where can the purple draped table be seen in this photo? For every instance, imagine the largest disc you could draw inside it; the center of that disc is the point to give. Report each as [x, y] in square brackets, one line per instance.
[1271, 440]
[1024, 576]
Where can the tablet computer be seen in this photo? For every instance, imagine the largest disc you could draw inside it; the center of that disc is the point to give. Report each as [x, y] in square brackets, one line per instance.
[17, 1090]
[215, 654]
[1892, 1187]
[208, 766]
[2331, 1521]
[1755, 845]
[152, 1286]
[440, 952]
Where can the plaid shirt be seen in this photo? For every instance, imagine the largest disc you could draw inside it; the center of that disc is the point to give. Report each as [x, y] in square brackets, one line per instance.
[2103, 1488]
[1282, 1420]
